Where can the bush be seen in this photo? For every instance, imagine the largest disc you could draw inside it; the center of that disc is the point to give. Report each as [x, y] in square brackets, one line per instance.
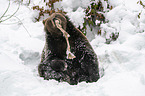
[94, 16]
[93, 13]
[43, 11]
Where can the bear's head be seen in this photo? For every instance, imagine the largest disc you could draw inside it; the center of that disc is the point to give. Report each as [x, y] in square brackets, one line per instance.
[50, 24]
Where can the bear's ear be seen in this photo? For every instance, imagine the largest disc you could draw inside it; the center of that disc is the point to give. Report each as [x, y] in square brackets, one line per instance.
[43, 22]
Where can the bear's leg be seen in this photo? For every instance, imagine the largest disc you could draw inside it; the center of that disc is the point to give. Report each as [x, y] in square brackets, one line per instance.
[54, 69]
[48, 73]
[72, 71]
[58, 65]
[93, 73]
[74, 77]
[90, 67]
[42, 69]
[61, 69]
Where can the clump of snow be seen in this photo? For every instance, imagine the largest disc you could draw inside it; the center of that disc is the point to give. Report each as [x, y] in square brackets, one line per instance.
[77, 17]
[73, 4]
[122, 60]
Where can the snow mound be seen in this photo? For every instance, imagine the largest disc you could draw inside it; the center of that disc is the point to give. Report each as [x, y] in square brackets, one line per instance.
[122, 60]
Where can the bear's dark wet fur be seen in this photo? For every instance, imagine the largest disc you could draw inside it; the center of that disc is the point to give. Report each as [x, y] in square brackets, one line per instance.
[55, 65]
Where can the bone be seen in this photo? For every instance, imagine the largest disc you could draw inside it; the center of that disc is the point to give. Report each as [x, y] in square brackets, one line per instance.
[70, 55]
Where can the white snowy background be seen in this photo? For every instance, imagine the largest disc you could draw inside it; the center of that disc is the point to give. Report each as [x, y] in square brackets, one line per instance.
[122, 60]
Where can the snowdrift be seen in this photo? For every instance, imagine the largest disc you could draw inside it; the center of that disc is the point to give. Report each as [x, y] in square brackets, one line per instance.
[122, 60]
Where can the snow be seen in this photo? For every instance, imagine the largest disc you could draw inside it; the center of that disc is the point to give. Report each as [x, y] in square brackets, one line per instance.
[123, 60]
[77, 17]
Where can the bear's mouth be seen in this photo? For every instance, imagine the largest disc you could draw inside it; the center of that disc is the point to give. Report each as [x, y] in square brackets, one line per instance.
[56, 20]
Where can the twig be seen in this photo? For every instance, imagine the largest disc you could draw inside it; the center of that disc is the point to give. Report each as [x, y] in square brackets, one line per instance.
[19, 21]
[5, 11]
[11, 15]
[10, 23]
[23, 25]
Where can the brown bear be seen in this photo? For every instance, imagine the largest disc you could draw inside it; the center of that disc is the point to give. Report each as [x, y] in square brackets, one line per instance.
[55, 63]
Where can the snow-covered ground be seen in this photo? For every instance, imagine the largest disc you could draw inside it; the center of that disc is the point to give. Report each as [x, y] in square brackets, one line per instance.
[122, 60]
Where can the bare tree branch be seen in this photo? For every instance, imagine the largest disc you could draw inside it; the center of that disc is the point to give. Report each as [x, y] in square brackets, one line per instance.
[10, 15]
[23, 25]
[5, 11]
[19, 21]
